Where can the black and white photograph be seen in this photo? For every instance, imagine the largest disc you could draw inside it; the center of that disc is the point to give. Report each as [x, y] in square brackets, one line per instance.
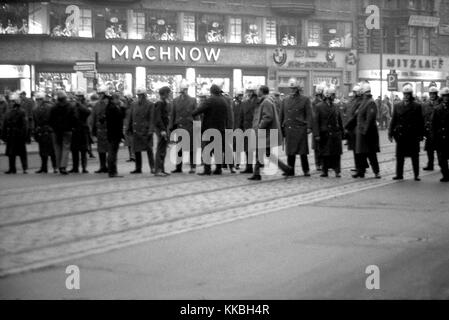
[224, 150]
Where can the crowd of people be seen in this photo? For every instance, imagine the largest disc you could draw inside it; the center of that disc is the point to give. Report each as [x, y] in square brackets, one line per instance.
[65, 123]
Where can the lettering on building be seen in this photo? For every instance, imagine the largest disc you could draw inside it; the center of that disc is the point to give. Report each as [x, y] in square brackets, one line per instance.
[415, 63]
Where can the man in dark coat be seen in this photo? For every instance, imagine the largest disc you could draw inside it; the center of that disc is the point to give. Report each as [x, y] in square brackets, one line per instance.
[428, 108]
[407, 129]
[315, 146]
[181, 118]
[367, 135]
[43, 132]
[328, 132]
[14, 133]
[215, 116]
[248, 105]
[440, 133]
[161, 123]
[114, 114]
[80, 136]
[229, 125]
[236, 113]
[99, 130]
[28, 106]
[141, 125]
[296, 122]
[4, 106]
[63, 121]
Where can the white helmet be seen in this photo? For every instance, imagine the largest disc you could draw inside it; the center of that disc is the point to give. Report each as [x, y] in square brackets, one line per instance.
[329, 91]
[238, 92]
[251, 87]
[351, 94]
[79, 92]
[444, 91]
[407, 89]
[366, 88]
[293, 83]
[203, 93]
[357, 88]
[433, 89]
[102, 89]
[141, 90]
[183, 85]
[319, 89]
[40, 95]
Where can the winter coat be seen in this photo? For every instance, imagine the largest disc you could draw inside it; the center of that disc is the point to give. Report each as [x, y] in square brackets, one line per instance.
[440, 129]
[42, 130]
[181, 113]
[99, 128]
[367, 134]
[328, 126]
[141, 124]
[351, 123]
[15, 130]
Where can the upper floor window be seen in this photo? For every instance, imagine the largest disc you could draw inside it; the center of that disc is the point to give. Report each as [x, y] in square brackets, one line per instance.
[110, 23]
[290, 33]
[13, 18]
[136, 24]
[188, 27]
[70, 21]
[330, 34]
[235, 30]
[162, 26]
[270, 31]
[211, 28]
[252, 27]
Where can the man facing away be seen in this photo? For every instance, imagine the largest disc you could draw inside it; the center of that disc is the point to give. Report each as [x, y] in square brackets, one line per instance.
[161, 122]
[114, 114]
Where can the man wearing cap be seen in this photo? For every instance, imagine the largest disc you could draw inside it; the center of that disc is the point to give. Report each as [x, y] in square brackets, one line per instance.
[63, 121]
[99, 129]
[407, 129]
[141, 125]
[43, 132]
[367, 135]
[114, 113]
[318, 99]
[296, 123]
[80, 137]
[181, 118]
[28, 106]
[248, 105]
[161, 122]
[215, 116]
[440, 133]
[14, 133]
[328, 132]
[428, 108]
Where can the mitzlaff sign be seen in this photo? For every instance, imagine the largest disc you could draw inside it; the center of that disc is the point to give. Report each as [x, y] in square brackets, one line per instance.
[165, 53]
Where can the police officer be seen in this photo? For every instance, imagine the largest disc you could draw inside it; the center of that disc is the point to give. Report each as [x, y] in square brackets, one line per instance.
[428, 108]
[141, 126]
[248, 105]
[99, 129]
[440, 130]
[237, 110]
[328, 132]
[114, 114]
[43, 132]
[318, 99]
[296, 122]
[80, 137]
[181, 118]
[407, 129]
[161, 122]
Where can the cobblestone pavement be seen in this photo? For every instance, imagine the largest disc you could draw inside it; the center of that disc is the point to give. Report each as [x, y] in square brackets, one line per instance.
[44, 225]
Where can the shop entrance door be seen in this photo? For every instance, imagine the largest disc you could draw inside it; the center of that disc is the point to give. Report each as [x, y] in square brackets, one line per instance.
[9, 84]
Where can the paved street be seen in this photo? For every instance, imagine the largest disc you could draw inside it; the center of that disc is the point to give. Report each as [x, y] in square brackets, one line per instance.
[188, 236]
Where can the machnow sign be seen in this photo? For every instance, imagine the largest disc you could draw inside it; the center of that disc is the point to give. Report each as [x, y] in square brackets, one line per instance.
[165, 53]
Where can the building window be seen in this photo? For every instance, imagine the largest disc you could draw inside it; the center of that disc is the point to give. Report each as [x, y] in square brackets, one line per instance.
[38, 18]
[290, 33]
[136, 25]
[52, 81]
[189, 27]
[413, 40]
[156, 81]
[235, 30]
[314, 39]
[85, 27]
[121, 82]
[14, 18]
[251, 30]
[70, 21]
[110, 23]
[270, 31]
[211, 28]
[330, 34]
[426, 41]
[162, 26]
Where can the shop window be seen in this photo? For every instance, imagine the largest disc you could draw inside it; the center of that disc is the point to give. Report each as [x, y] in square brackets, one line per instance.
[38, 18]
[330, 34]
[253, 80]
[162, 26]
[121, 82]
[270, 31]
[211, 28]
[251, 31]
[13, 18]
[136, 24]
[156, 81]
[189, 27]
[110, 23]
[203, 83]
[70, 21]
[52, 81]
[290, 34]
[235, 30]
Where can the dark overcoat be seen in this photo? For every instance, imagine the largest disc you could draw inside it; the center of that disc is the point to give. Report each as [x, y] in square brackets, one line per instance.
[42, 130]
[351, 123]
[80, 136]
[428, 107]
[215, 113]
[181, 113]
[247, 113]
[141, 124]
[407, 128]
[440, 129]
[237, 112]
[99, 128]
[296, 121]
[315, 102]
[114, 122]
[266, 117]
[15, 131]
[328, 126]
[367, 134]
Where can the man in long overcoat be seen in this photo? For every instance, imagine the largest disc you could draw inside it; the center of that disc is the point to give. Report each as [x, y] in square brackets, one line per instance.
[428, 108]
[296, 123]
[99, 129]
[248, 105]
[351, 123]
[316, 150]
[236, 113]
[328, 132]
[407, 129]
[440, 130]
[141, 125]
[114, 113]
[80, 137]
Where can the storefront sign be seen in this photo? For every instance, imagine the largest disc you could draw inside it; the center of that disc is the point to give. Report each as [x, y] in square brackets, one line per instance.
[415, 63]
[423, 21]
[165, 53]
[279, 56]
[84, 66]
[444, 30]
[14, 71]
[404, 62]
[334, 81]
[392, 81]
[311, 64]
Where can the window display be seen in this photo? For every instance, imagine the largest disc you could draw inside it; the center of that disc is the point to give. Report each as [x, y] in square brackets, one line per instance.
[52, 81]
[110, 23]
[189, 27]
[70, 21]
[251, 31]
[162, 26]
[253, 80]
[136, 24]
[121, 82]
[157, 81]
[203, 84]
[13, 18]
[330, 34]
[211, 28]
[235, 30]
[270, 31]
[290, 34]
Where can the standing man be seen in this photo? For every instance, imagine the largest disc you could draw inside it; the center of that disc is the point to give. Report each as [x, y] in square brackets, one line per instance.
[229, 125]
[296, 123]
[318, 99]
[440, 130]
[80, 137]
[428, 109]
[28, 106]
[248, 105]
[236, 113]
[161, 122]
[181, 118]
[43, 132]
[115, 114]
[367, 135]
[62, 121]
[328, 133]
[14, 133]
[215, 116]
[128, 100]
[407, 129]
[99, 129]
[141, 126]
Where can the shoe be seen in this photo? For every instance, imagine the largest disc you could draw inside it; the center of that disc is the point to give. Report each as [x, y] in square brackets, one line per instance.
[115, 175]
[417, 179]
[398, 178]
[306, 174]
[354, 170]
[444, 179]
[136, 172]
[192, 171]
[217, 172]
[40, 171]
[428, 168]
[10, 172]
[377, 176]
[153, 171]
[205, 173]
[159, 174]
[232, 170]
[85, 171]
[74, 171]
[256, 177]
[176, 171]
[324, 175]
[63, 171]
[338, 175]
[247, 171]
[25, 172]
[102, 170]
[358, 175]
